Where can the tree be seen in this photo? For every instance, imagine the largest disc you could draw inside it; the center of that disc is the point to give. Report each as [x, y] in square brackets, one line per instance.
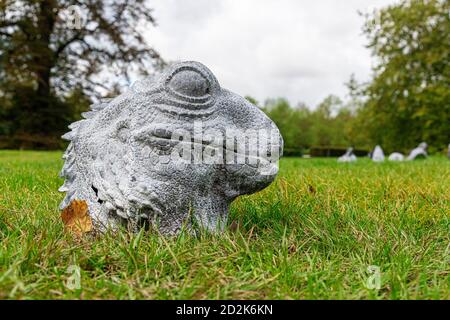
[51, 50]
[330, 118]
[409, 96]
[302, 128]
[355, 122]
[287, 120]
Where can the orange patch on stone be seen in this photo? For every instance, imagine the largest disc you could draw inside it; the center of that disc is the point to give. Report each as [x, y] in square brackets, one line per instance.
[76, 218]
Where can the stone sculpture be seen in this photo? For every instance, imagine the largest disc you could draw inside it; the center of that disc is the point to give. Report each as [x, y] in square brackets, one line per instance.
[378, 154]
[448, 153]
[419, 153]
[349, 156]
[174, 150]
[396, 156]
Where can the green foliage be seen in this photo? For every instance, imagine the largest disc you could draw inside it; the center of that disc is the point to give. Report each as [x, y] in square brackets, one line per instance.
[48, 70]
[252, 100]
[328, 125]
[46, 60]
[310, 235]
[21, 125]
[409, 97]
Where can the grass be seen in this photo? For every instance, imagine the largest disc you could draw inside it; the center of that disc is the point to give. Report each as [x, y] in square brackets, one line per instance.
[311, 235]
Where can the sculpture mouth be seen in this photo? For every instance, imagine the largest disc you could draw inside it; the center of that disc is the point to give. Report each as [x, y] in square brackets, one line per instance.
[164, 141]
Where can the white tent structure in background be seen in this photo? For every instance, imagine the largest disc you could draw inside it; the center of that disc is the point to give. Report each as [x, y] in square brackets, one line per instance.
[396, 156]
[378, 154]
[349, 156]
[419, 152]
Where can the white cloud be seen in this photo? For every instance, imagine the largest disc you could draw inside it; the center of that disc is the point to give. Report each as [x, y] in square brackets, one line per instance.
[302, 50]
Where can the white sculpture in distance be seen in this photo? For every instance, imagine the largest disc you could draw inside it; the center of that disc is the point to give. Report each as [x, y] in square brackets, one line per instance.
[378, 154]
[396, 156]
[419, 152]
[349, 156]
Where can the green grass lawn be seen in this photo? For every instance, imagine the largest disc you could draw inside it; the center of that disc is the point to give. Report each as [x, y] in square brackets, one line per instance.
[311, 235]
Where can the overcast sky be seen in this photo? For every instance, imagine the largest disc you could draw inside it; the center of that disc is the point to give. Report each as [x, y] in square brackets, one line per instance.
[298, 49]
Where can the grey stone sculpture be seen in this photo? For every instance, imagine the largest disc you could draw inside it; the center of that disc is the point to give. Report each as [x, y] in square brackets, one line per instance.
[140, 159]
[448, 153]
[349, 156]
[419, 153]
[396, 156]
[378, 154]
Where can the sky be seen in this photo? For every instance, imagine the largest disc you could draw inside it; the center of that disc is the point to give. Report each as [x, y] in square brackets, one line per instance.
[297, 49]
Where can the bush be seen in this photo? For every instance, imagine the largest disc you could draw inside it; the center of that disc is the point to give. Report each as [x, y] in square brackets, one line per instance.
[292, 152]
[335, 151]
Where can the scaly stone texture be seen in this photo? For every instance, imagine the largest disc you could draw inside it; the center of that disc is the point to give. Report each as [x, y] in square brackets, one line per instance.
[118, 157]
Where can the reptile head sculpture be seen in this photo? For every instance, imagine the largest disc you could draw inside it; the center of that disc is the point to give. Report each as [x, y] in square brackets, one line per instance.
[174, 150]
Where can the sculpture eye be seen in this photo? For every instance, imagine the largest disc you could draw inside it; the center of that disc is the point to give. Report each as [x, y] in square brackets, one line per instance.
[190, 83]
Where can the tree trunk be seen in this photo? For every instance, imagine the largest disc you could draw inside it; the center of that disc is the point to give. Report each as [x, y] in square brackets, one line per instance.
[44, 57]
